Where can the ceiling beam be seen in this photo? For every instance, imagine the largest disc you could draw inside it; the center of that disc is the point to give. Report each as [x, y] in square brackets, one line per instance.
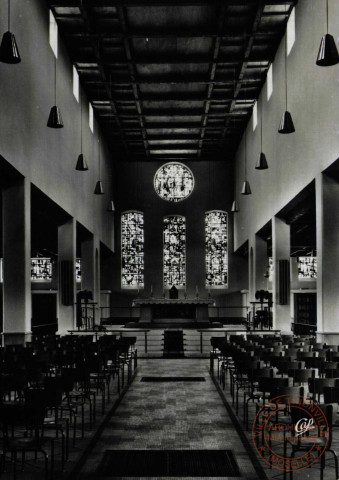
[230, 35]
[133, 73]
[145, 3]
[96, 51]
[248, 48]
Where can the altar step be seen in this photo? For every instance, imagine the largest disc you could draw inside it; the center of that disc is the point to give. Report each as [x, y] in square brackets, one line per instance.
[192, 342]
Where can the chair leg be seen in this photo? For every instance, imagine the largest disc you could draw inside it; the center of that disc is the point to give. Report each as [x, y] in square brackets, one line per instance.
[291, 471]
[14, 460]
[52, 461]
[335, 463]
[322, 465]
[74, 429]
[23, 457]
[82, 421]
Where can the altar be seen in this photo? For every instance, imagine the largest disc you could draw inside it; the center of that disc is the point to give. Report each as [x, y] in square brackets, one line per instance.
[153, 309]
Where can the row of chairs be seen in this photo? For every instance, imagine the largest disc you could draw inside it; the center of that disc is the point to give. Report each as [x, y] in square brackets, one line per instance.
[265, 367]
[51, 383]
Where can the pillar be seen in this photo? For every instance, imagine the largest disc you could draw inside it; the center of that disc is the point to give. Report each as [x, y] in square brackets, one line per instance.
[261, 262]
[90, 270]
[327, 228]
[67, 252]
[280, 251]
[251, 268]
[17, 303]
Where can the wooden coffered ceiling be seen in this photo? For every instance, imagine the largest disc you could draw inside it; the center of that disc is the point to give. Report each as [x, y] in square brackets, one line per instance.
[172, 80]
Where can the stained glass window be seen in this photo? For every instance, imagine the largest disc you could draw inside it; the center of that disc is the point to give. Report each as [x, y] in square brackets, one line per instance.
[216, 254]
[174, 251]
[174, 182]
[270, 269]
[41, 269]
[78, 270]
[132, 249]
[307, 268]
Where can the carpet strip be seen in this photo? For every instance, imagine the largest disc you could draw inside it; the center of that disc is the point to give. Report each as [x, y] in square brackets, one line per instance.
[168, 463]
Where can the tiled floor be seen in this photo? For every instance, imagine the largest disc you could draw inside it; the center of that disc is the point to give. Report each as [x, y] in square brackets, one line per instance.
[181, 415]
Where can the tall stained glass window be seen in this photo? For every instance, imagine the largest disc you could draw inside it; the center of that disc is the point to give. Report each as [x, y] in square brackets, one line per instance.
[216, 254]
[174, 251]
[132, 250]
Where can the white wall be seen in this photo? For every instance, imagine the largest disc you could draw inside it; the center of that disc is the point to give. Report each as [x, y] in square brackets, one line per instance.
[45, 156]
[294, 159]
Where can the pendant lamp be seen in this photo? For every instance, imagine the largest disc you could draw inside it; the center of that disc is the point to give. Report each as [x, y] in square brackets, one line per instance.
[261, 162]
[328, 53]
[81, 165]
[110, 206]
[9, 52]
[286, 122]
[246, 189]
[55, 119]
[98, 187]
[235, 207]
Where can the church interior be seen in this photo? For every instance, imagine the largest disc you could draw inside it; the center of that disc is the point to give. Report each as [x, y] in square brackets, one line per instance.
[169, 233]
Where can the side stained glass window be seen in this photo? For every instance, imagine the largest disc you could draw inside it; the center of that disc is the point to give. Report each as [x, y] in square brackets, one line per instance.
[174, 251]
[132, 249]
[216, 249]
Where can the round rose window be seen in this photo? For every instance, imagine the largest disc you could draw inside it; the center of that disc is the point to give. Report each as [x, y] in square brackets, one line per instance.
[174, 182]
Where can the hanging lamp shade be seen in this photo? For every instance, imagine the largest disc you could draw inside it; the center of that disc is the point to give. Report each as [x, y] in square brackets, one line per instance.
[246, 189]
[328, 54]
[81, 165]
[261, 162]
[235, 207]
[110, 206]
[99, 188]
[286, 123]
[9, 52]
[55, 119]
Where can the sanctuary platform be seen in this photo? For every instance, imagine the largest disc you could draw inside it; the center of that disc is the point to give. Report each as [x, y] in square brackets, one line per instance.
[155, 309]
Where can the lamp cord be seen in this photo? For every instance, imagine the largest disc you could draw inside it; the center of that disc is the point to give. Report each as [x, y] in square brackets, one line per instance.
[245, 156]
[9, 14]
[55, 82]
[286, 64]
[327, 16]
[99, 161]
[80, 120]
[261, 124]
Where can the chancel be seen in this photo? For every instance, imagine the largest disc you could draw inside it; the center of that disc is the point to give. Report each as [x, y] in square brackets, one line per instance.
[169, 233]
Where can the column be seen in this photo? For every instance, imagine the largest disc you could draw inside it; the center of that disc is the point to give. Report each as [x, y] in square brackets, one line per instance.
[327, 218]
[261, 263]
[67, 253]
[17, 303]
[280, 251]
[90, 270]
[251, 268]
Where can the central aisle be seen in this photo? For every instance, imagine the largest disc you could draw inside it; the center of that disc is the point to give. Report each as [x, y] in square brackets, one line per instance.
[170, 416]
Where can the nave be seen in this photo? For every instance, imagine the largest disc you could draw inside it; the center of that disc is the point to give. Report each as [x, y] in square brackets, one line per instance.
[176, 415]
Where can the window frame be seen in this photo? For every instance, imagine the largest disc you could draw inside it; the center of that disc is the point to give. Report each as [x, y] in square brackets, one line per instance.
[224, 286]
[168, 287]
